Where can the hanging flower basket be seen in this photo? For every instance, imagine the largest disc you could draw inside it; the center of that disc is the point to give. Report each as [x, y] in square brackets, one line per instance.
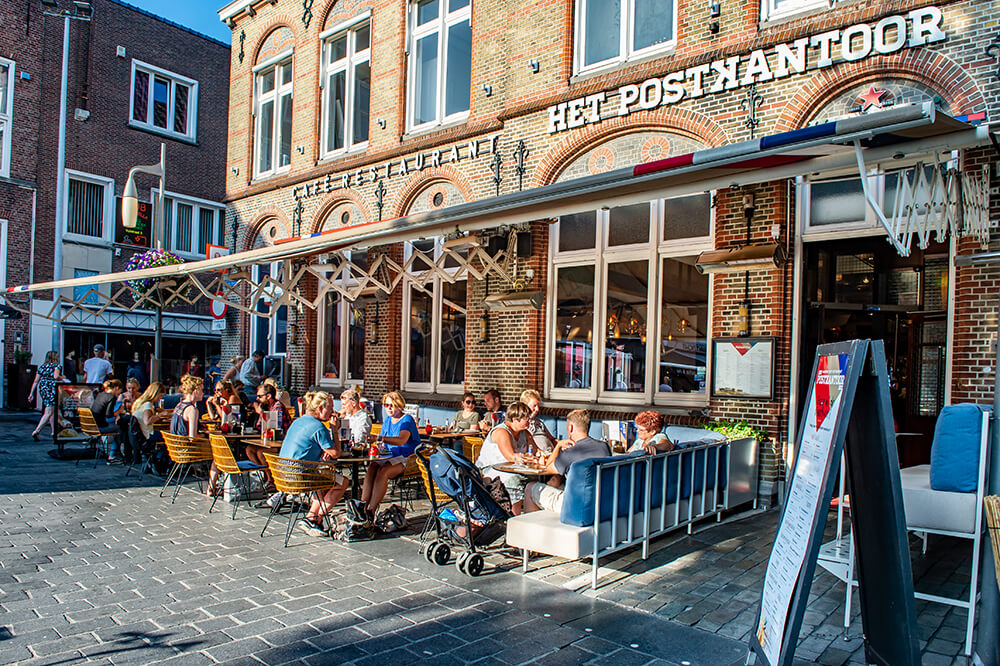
[148, 259]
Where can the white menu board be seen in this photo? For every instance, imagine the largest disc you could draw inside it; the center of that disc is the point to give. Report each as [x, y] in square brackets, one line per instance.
[804, 497]
[743, 367]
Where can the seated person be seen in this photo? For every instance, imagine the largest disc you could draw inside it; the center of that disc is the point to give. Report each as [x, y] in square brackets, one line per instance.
[466, 418]
[648, 425]
[283, 397]
[359, 420]
[220, 404]
[308, 439]
[106, 408]
[493, 403]
[142, 435]
[267, 401]
[543, 439]
[508, 442]
[579, 446]
[401, 437]
[184, 421]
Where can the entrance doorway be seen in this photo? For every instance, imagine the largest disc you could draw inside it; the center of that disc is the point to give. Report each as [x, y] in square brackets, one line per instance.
[861, 288]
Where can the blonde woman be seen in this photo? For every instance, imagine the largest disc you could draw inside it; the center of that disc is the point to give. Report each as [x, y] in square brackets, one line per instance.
[234, 369]
[48, 375]
[141, 433]
[184, 421]
[544, 441]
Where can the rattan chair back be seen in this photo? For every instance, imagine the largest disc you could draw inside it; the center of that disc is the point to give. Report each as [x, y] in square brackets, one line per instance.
[429, 486]
[376, 429]
[471, 446]
[223, 455]
[296, 477]
[87, 422]
[185, 450]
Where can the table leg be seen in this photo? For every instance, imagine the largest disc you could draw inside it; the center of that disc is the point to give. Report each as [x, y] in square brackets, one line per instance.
[355, 477]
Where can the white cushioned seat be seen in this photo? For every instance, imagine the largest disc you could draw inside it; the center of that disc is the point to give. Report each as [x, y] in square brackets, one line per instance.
[543, 532]
[935, 509]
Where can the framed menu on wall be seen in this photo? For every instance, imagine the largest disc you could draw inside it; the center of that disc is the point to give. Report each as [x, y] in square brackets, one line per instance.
[743, 368]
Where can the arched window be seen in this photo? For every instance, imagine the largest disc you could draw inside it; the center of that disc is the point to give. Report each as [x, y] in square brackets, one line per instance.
[272, 105]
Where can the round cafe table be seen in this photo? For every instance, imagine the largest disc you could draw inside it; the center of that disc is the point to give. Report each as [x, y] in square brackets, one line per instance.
[522, 470]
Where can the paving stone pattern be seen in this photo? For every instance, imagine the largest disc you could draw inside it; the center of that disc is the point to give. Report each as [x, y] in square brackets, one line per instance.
[97, 568]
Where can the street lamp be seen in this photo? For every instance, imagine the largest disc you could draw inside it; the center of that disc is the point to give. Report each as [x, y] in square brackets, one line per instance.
[130, 215]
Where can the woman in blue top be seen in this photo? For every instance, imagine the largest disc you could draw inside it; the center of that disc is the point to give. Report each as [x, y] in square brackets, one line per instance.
[401, 437]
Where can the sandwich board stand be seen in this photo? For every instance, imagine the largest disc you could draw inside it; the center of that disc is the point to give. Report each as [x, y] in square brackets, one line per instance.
[848, 400]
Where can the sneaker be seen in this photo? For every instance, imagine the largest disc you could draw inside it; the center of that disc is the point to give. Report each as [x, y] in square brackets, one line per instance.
[309, 527]
[275, 499]
[114, 460]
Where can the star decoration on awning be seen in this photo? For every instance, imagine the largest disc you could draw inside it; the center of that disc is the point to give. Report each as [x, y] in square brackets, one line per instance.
[873, 97]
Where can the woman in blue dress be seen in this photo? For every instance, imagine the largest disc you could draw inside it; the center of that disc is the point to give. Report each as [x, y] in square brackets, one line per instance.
[401, 438]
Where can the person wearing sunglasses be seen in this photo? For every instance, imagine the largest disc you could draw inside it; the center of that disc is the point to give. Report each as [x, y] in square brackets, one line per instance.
[401, 437]
[467, 417]
[220, 403]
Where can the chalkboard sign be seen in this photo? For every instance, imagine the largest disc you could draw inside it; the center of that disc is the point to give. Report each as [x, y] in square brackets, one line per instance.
[140, 235]
[848, 401]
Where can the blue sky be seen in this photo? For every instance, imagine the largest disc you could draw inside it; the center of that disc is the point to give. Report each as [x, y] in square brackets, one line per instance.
[200, 15]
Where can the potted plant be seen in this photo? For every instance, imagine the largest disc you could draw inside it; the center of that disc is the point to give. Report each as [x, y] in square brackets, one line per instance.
[737, 430]
[148, 259]
[20, 375]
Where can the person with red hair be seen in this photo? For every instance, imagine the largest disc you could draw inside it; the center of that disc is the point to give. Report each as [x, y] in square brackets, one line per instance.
[649, 438]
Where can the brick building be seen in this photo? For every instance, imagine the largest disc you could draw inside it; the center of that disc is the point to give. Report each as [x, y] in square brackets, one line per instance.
[133, 81]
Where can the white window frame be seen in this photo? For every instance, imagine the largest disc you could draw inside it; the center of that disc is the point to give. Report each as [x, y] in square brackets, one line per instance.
[769, 11]
[601, 256]
[275, 95]
[343, 311]
[197, 205]
[192, 116]
[7, 118]
[107, 223]
[625, 39]
[348, 65]
[435, 385]
[257, 321]
[440, 26]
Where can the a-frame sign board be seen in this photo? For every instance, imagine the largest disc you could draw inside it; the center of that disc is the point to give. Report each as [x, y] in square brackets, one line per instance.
[848, 399]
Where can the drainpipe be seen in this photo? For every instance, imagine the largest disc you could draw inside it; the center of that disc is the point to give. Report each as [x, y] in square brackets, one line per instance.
[60, 182]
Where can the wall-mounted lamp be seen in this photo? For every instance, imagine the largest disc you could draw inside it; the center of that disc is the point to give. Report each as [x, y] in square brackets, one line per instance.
[293, 334]
[484, 328]
[536, 66]
[380, 122]
[300, 149]
[373, 328]
[236, 171]
[487, 89]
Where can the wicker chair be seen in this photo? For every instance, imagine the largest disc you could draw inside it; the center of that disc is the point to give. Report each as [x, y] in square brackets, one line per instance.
[471, 446]
[185, 452]
[236, 470]
[98, 440]
[297, 477]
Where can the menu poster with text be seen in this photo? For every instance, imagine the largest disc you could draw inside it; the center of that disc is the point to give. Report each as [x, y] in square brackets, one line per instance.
[743, 368]
[804, 498]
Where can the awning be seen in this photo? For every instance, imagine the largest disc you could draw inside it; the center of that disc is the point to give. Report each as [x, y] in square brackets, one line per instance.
[836, 145]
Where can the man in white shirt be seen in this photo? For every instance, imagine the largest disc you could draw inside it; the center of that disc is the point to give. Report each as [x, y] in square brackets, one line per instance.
[250, 370]
[360, 420]
[97, 368]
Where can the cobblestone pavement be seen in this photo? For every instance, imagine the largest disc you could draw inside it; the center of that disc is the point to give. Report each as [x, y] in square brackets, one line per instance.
[97, 568]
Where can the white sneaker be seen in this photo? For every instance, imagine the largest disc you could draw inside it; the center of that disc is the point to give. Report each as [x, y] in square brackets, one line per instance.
[275, 499]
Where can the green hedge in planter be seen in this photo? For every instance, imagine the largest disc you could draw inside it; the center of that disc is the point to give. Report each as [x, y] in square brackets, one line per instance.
[737, 430]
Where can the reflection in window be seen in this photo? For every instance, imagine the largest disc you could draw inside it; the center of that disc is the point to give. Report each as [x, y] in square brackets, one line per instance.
[625, 332]
[577, 232]
[574, 327]
[453, 327]
[420, 322]
[629, 225]
[331, 338]
[683, 326]
[355, 342]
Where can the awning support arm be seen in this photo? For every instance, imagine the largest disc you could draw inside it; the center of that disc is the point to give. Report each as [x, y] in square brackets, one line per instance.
[874, 205]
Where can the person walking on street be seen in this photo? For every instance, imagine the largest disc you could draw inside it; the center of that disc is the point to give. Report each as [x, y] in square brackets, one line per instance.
[48, 375]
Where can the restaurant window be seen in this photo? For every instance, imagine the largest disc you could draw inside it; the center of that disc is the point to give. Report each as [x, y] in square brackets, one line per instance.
[88, 207]
[609, 32]
[440, 48]
[434, 322]
[645, 302]
[342, 326]
[6, 113]
[163, 102]
[273, 117]
[346, 83]
[191, 225]
[269, 332]
[771, 9]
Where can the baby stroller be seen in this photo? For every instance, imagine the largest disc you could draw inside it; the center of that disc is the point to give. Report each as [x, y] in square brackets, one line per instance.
[474, 520]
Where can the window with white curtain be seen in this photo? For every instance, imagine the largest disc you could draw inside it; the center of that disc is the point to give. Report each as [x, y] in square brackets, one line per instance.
[163, 102]
[6, 113]
[609, 32]
[273, 116]
[346, 82]
[630, 313]
[440, 50]
[434, 323]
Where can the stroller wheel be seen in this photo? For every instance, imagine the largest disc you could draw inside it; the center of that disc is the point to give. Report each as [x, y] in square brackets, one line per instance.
[440, 553]
[429, 551]
[462, 559]
[474, 564]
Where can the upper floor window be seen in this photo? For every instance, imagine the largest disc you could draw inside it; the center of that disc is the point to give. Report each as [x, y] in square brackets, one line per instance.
[346, 82]
[191, 225]
[779, 8]
[89, 206]
[6, 113]
[273, 113]
[440, 61]
[163, 102]
[613, 31]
